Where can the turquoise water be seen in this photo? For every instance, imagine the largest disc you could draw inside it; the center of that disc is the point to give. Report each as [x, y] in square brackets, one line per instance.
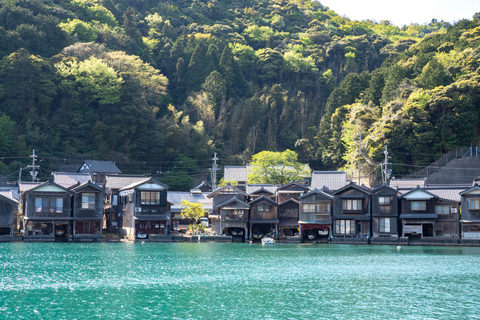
[237, 281]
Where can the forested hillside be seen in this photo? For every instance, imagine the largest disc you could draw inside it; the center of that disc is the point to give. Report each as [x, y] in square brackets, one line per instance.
[157, 85]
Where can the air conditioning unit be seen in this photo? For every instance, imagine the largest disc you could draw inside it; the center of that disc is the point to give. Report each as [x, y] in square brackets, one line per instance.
[138, 209]
[453, 210]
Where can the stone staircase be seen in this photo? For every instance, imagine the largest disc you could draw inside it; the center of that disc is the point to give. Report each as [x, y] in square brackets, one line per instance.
[456, 171]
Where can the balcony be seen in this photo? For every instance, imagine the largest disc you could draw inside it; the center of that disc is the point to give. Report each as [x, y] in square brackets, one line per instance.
[315, 216]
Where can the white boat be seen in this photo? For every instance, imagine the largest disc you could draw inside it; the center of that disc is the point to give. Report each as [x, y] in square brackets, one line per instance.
[267, 240]
[141, 236]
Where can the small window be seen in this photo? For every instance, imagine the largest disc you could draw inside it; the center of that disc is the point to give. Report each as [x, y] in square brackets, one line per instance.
[418, 205]
[263, 208]
[384, 201]
[352, 205]
[88, 201]
[384, 225]
[309, 207]
[150, 197]
[442, 209]
[473, 204]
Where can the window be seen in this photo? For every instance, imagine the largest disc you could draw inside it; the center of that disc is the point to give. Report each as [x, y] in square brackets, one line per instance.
[309, 207]
[345, 226]
[442, 209]
[323, 207]
[114, 200]
[150, 197]
[384, 225]
[88, 201]
[351, 205]
[263, 208]
[49, 205]
[418, 205]
[473, 204]
[384, 200]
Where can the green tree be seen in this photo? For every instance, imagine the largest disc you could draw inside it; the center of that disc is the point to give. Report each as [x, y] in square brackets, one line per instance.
[276, 168]
[193, 211]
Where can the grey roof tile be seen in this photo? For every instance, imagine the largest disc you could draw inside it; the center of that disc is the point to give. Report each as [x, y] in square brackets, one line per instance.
[99, 166]
[68, 179]
[120, 181]
[333, 180]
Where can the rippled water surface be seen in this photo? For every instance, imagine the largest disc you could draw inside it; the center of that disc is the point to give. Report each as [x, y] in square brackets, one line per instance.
[237, 281]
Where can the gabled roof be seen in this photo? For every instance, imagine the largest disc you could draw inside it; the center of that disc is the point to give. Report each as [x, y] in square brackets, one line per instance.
[333, 180]
[228, 186]
[24, 186]
[316, 191]
[7, 194]
[202, 187]
[143, 182]
[121, 180]
[86, 184]
[475, 189]
[99, 166]
[237, 201]
[290, 200]
[252, 190]
[263, 198]
[45, 185]
[418, 194]
[407, 183]
[352, 185]
[292, 183]
[68, 179]
[235, 173]
[383, 187]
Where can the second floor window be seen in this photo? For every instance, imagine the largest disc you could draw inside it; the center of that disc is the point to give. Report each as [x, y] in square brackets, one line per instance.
[352, 205]
[263, 208]
[418, 205]
[383, 201]
[321, 207]
[88, 201]
[442, 209]
[49, 205]
[309, 207]
[473, 204]
[150, 197]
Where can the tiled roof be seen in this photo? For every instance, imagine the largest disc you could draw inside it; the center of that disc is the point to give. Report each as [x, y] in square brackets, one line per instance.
[101, 166]
[175, 197]
[447, 193]
[235, 173]
[68, 179]
[407, 183]
[9, 193]
[140, 182]
[314, 192]
[27, 185]
[120, 181]
[333, 180]
[252, 188]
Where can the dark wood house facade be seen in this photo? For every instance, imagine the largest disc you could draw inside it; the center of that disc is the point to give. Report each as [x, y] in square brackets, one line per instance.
[47, 211]
[8, 205]
[220, 197]
[234, 219]
[315, 215]
[424, 215]
[292, 190]
[263, 218]
[385, 213]
[87, 212]
[145, 210]
[351, 213]
[288, 213]
[470, 223]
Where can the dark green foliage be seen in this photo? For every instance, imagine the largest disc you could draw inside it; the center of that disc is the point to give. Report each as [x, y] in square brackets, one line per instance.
[172, 81]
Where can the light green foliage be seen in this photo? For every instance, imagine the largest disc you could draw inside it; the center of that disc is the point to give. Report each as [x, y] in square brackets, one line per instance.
[193, 211]
[84, 31]
[297, 62]
[224, 182]
[259, 34]
[91, 10]
[93, 78]
[276, 168]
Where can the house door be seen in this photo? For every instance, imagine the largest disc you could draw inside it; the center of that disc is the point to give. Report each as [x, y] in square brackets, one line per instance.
[427, 230]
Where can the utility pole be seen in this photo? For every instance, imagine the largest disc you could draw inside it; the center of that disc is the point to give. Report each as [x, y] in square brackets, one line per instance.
[359, 155]
[386, 174]
[214, 171]
[34, 172]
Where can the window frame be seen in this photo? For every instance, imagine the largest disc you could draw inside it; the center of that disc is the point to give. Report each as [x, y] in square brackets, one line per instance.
[146, 198]
[89, 204]
[341, 227]
[383, 203]
[475, 201]
[263, 208]
[54, 205]
[442, 206]
[384, 225]
[348, 205]
[423, 208]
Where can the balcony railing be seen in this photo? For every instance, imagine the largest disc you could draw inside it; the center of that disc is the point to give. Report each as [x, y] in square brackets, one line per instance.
[314, 216]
